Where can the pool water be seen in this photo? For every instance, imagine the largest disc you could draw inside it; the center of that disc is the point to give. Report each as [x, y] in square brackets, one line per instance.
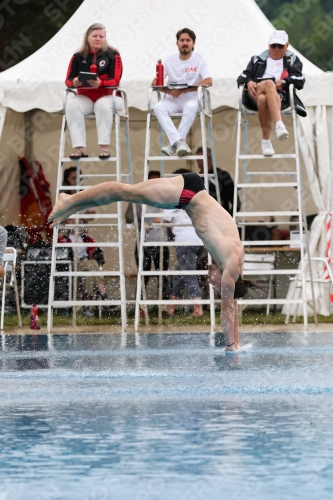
[166, 417]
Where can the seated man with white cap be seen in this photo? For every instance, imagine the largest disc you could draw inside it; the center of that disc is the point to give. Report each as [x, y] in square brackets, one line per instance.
[267, 79]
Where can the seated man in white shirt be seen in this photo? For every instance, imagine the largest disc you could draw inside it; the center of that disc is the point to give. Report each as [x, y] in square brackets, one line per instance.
[186, 67]
[277, 67]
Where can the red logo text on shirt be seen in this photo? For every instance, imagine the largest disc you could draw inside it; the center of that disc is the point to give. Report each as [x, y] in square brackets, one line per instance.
[191, 70]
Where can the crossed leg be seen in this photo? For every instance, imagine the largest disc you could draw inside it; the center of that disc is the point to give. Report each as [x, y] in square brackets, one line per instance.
[269, 106]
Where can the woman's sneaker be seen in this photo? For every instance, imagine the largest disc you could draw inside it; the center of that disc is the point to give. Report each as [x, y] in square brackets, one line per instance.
[267, 148]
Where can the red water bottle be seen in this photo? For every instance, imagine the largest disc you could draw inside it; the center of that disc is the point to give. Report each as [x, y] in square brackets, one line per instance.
[93, 68]
[34, 318]
[159, 73]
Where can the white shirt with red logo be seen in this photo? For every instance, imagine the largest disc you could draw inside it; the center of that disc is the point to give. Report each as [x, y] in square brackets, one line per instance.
[192, 71]
[274, 68]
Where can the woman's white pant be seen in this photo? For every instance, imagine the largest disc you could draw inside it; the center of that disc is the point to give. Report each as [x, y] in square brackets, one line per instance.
[185, 104]
[80, 106]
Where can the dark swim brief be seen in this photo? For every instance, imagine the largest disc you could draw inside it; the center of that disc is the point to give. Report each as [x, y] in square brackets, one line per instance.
[192, 185]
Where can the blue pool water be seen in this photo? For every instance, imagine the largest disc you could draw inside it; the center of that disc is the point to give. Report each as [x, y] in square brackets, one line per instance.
[166, 417]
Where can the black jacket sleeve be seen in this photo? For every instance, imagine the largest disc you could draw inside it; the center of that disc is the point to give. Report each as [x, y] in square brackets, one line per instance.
[295, 75]
[115, 70]
[73, 71]
[247, 75]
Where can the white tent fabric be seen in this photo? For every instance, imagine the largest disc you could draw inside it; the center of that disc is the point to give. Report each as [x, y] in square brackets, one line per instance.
[228, 34]
[315, 147]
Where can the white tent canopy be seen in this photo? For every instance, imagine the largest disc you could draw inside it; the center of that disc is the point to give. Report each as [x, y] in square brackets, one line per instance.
[228, 34]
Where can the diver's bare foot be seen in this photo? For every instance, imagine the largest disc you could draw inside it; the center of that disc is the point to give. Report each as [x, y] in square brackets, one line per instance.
[232, 347]
[61, 210]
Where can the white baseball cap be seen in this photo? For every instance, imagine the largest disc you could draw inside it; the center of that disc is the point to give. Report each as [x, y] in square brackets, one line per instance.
[278, 36]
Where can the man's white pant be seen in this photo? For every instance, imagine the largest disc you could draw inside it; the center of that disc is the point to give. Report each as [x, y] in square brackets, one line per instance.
[185, 104]
[80, 106]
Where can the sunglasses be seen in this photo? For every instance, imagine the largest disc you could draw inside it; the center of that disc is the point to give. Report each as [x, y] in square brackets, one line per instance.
[276, 45]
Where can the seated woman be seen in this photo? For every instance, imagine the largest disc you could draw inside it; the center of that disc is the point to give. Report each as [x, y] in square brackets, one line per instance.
[94, 56]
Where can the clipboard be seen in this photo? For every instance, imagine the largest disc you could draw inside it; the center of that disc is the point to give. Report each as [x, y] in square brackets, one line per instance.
[85, 76]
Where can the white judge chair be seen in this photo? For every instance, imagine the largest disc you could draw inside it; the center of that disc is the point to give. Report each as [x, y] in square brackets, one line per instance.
[9, 259]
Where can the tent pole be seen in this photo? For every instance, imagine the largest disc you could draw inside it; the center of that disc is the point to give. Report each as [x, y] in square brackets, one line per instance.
[28, 135]
[3, 111]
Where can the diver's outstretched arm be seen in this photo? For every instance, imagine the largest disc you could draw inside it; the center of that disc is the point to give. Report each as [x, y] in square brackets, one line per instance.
[228, 312]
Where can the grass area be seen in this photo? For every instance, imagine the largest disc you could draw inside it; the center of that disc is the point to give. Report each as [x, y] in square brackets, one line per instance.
[250, 317]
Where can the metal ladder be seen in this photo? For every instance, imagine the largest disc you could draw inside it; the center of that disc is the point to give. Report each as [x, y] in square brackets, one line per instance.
[205, 115]
[242, 218]
[104, 219]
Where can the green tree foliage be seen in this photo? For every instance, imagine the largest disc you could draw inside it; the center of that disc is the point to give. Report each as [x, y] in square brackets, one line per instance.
[309, 24]
[26, 25]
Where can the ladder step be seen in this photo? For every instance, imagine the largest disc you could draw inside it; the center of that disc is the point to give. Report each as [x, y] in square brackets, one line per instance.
[265, 272]
[272, 172]
[92, 176]
[87, 224]
[269, 301]
[294, 213]
[166, 224]
[74, 188]
[210, 176]
[286, 243]
[267, 184]
[261, 157]
[87, 273]
[66, 303]
[89, 159]
[268, 223]
[171, 244]
[173, 301]
[174, 273]
[80, 245]
[95, 216]
[149, 215]
[174, 158]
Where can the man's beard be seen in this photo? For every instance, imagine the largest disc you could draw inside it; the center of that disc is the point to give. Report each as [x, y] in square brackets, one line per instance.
[184, 50]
